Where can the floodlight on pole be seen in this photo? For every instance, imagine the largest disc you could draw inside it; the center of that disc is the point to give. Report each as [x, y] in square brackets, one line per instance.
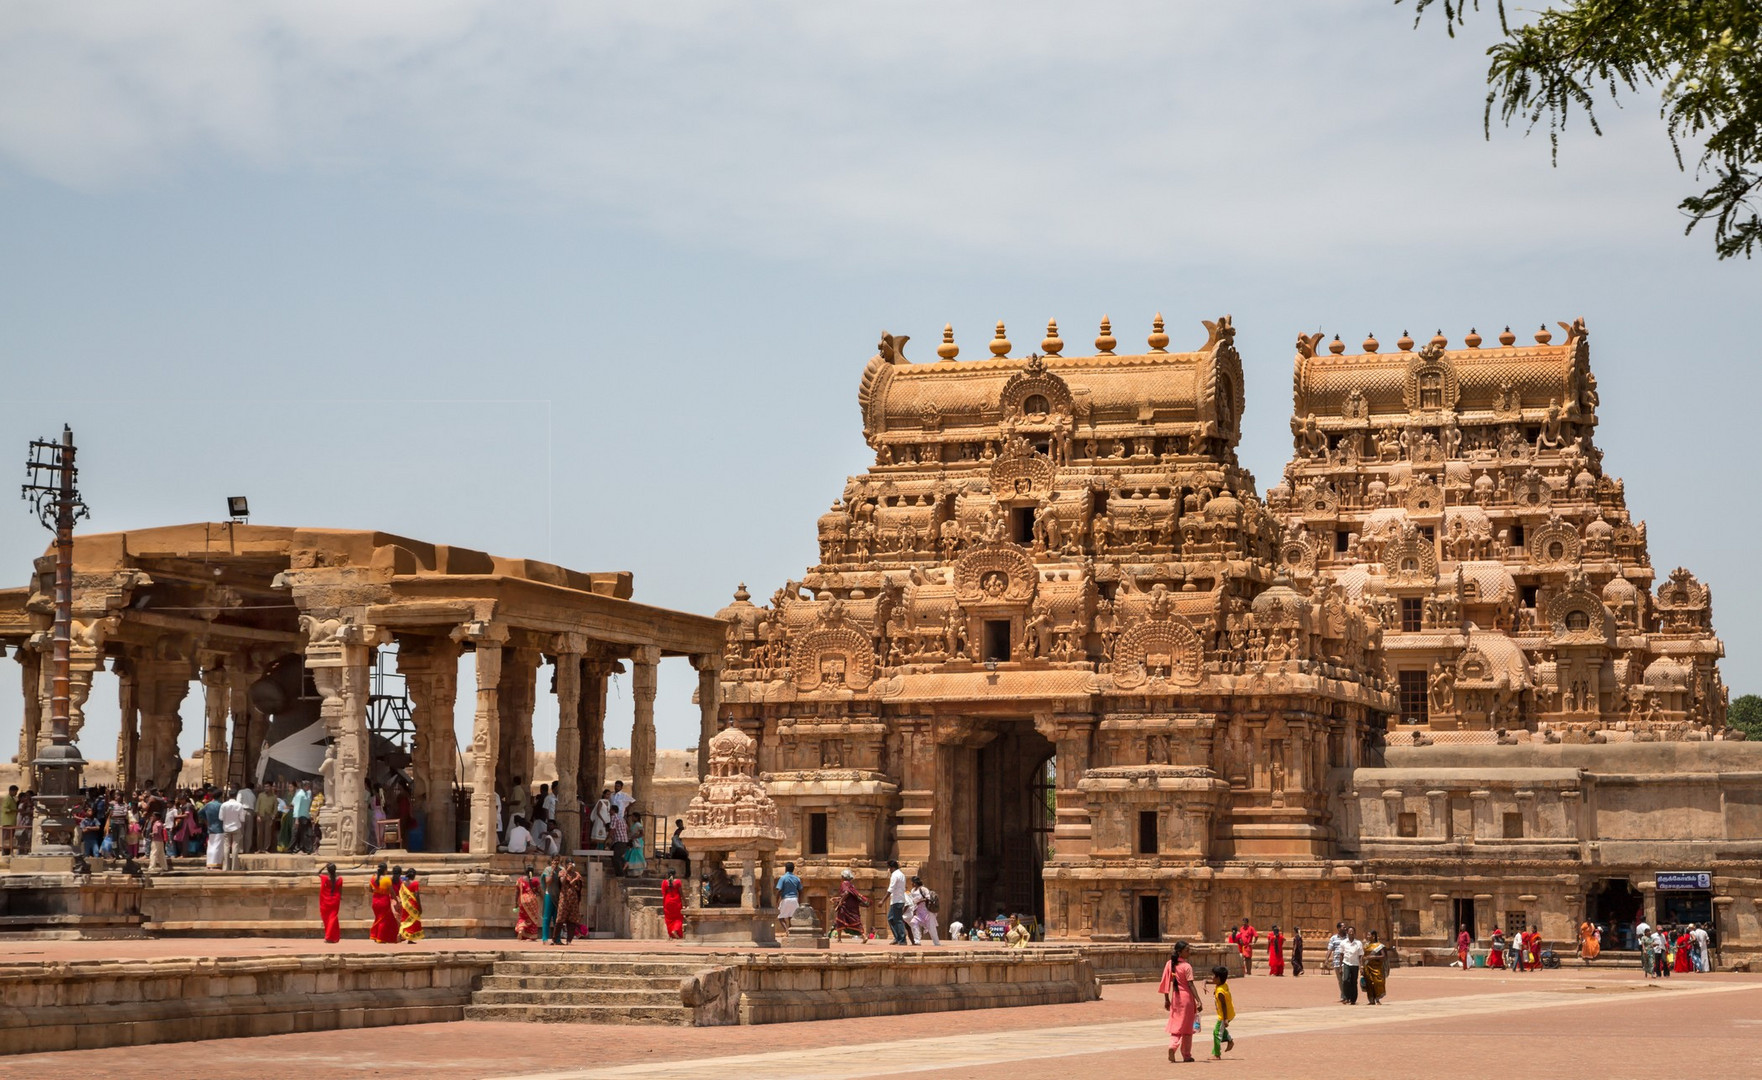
[238, 508]
[51, 492]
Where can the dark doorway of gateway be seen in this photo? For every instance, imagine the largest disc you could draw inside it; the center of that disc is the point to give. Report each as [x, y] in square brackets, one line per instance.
[1680, 907]
[1463, 910]
[1149, 918]
[1615, 905]
[1013, 821]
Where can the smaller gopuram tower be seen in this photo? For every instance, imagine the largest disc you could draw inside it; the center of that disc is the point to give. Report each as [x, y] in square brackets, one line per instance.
[1458, 494]
[1047, 658]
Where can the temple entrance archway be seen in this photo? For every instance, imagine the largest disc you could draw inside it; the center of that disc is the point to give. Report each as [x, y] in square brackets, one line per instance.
[1012, 822]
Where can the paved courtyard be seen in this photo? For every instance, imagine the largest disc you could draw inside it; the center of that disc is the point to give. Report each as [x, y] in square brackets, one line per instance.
[1438, 1023]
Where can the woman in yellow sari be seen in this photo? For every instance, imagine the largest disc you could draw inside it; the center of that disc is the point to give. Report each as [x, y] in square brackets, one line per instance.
[410, 900]
[1588, 945]
[1375, 975]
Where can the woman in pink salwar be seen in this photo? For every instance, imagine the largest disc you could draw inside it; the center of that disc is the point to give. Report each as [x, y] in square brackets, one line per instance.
[1182, 1002]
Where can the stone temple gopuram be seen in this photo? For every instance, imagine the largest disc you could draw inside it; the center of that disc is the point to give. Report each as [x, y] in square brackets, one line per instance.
[1049, 657]
[1458, 495]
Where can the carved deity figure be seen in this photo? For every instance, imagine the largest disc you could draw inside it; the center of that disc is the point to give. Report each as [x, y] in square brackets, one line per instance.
[1550, 436]
[1442, 688]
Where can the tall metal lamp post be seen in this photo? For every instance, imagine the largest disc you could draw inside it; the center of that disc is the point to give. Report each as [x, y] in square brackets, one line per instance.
[50, 491]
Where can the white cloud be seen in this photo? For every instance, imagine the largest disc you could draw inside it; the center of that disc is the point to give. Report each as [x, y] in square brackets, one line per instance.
[893, 130]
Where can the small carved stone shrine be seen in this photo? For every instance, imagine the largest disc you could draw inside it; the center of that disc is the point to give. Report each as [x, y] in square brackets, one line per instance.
[732, 820]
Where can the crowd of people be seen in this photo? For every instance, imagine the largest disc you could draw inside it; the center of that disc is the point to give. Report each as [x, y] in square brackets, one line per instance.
[213, 823]
[1673, 950]
[913, 912]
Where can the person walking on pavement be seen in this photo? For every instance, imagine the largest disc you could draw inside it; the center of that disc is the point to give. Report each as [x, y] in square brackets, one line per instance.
[896, 890]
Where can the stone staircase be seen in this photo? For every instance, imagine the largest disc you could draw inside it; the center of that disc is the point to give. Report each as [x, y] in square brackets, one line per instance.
[560, 989]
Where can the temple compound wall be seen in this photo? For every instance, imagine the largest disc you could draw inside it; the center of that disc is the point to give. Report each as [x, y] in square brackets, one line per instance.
[1048, 658]
[279, 628]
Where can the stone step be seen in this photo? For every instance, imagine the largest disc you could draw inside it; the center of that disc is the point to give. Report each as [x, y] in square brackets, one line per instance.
[674, 1016]
[644, 998]
[506, 981]
[673, 969]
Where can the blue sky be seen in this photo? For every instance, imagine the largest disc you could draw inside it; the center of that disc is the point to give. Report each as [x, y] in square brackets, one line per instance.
[594, 283]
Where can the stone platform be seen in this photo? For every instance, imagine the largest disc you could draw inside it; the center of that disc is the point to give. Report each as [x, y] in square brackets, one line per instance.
[53, 997]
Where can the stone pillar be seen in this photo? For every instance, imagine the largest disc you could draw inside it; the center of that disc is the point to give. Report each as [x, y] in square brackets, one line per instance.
[485, 741]
[30, 670]
[240, 761]
[593, 727]
[709, 704]
[216, 701]
[516, 692]
[79, 688]
[430, 667]
[128, 730]
[339, 654]
[917, 792]
[160, 688]
[569, 649]
[642, 732]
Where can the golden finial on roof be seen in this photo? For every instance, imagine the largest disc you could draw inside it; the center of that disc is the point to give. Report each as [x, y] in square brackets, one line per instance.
[1404, 343]
[1371, 344]
[948, 350]
[1336, 346]
[1105, 341]
[1051, 342]
[1439, 339]
[1000, 343]
[741, 593]
[1159, 341]
[1473, 340]
[1544, 335]
[1507, 339]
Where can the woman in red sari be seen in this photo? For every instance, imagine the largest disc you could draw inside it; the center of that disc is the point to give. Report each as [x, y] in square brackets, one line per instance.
[673, 906]
[1181, 1001]
[528, 909]
[330, 903]
[847, 917]
[1683, 963]
[1275, 951]
[385, 925]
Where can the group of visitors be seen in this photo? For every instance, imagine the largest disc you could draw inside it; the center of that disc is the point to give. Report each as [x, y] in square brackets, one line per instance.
[547, 903]
[1359, 964]
[394, 896]
[912, 906]
[213, 823]
[1676, 950]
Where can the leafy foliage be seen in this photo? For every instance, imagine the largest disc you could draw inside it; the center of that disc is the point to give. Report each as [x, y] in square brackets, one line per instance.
[1746, 715]
[1704, 56]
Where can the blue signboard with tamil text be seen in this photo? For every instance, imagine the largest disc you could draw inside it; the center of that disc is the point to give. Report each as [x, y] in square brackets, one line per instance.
[1683, 880]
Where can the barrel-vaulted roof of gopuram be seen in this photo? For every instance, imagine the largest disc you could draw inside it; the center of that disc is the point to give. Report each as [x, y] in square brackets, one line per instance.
[1138, 392]
[1502, 379]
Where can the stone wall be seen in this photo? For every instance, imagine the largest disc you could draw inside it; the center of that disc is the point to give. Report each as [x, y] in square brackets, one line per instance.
[133, 1002]
[785, 988]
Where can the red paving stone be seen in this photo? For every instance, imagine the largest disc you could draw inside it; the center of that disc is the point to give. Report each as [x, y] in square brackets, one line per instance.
[1624, 1027]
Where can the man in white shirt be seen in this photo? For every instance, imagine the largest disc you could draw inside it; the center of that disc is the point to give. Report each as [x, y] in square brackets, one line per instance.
[519, 838]
[621, 799]
[1703, 958]
[248, 834]
[599, 823]
[547, 799]
[232, 824]
[1642, 931]
[896, 889]
[1351, 960]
